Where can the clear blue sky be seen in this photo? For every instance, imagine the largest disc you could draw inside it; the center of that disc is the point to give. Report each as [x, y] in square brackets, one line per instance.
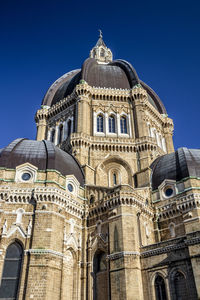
[42, 40]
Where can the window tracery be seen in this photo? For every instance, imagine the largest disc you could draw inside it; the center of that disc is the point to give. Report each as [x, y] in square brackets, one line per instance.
[53, 135]
[112, 124]
[123, 125]
[69, 125]
[100, 123]
[160, 288]
[60, 134]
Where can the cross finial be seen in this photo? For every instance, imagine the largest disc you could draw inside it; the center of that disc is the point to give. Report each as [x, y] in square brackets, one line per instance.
[100, 33]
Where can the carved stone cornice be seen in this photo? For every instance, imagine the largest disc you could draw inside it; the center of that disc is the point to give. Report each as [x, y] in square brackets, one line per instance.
[42, 195]
[121, 254]
[178, 205]
[41, 114]
[168, 246]
[117, 143]
[119, 198]
[139, 95]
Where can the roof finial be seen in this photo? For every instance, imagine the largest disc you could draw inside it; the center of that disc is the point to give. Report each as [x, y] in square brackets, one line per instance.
[100, 33]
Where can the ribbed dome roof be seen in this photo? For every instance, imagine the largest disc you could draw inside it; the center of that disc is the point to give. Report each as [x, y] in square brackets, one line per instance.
[42, 154]
[177, 165]
[117, 74]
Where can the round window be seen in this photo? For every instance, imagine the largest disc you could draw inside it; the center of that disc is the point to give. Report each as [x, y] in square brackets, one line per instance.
[26, 176]
[70, 187]
[169, 192]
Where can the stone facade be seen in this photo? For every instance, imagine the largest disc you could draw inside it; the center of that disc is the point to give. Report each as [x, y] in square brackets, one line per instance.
[115, 238]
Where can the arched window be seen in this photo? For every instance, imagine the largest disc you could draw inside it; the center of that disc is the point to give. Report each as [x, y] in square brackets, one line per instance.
[123, 125]
[114, 178]
[180, 286]
[11, 272]
[160, 288]
[92, 199]
[149, 128]
[116, 240]
[60, 134]
[102, 52]
[69, 127]
[111, 124]
[99, 262]
[100, 275]
[172, 230]
[52, 135]
[99, 123]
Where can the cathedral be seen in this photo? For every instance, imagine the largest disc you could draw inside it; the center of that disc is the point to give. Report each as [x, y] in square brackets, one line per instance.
[100, 206]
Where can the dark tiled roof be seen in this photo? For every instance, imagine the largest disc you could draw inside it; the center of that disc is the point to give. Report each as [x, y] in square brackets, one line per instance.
[66, 88]
[42, 154]
[177, 165]
[107, 76]
[118, 74]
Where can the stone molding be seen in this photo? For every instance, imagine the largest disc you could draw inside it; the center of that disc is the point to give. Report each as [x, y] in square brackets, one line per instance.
[43, 195]
[177, 205]
[170, 248]
[121, 254]
[43, 252]
[124, 199]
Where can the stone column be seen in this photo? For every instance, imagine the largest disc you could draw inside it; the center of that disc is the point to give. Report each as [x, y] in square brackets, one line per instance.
[164, 145]
[192, 225]
[168, 132]
[41, 122]
[41, 130]
[49, 135]
[129, 126]
[56, 134]
[106, 125]
[118, 125]
[139, 95]
[83, 115]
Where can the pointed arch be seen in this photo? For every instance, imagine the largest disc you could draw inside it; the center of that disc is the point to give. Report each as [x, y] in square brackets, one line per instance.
[160, 289]
[10, 280]
[100, 275]
[70, 278]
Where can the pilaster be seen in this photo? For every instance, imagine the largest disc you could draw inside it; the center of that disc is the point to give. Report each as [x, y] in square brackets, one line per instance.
[168, 132]
[124, 255]
[41, 122]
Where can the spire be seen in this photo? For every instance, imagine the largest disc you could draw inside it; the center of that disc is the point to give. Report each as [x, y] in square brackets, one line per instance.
[100, 52]
[100, 33]
[100, 41]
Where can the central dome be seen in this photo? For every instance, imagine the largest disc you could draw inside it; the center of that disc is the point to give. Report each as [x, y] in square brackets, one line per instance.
[101, 72]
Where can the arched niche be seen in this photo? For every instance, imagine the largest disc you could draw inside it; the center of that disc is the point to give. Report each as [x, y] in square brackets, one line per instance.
[100, 276]
[179, 286]
[70, 275]
[114, 165]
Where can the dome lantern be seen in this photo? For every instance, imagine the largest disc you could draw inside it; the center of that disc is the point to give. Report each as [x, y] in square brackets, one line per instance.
[100, 52]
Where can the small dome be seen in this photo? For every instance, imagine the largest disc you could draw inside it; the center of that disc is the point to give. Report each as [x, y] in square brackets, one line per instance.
[42, 154]
[117, 74]
[177, 165]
